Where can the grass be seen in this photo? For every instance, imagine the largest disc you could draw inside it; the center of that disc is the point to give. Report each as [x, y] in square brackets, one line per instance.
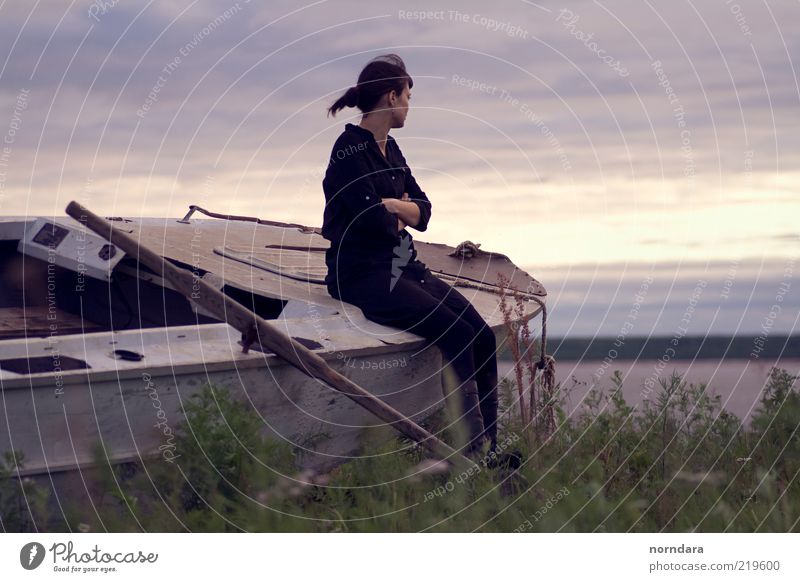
[677, 464]
[21, 501]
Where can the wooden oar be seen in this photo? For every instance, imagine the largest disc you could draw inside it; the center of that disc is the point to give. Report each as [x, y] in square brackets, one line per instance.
[253, 326]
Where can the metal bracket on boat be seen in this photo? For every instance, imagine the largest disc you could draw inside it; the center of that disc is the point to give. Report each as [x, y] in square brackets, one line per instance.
[185, 219]
[249, 337]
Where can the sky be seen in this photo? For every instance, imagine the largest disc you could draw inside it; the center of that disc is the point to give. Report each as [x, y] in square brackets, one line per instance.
[576, 137]
[757, 298]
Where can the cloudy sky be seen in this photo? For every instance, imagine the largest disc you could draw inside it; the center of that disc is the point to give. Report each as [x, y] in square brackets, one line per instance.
[560, 133]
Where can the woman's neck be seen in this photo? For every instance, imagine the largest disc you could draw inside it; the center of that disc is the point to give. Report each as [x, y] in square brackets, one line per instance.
[379, 128]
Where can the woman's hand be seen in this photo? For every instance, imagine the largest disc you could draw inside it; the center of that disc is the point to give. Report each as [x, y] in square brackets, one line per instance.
[392, 206]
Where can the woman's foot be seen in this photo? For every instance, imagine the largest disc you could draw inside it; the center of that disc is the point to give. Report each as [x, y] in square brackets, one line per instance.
[511, 460]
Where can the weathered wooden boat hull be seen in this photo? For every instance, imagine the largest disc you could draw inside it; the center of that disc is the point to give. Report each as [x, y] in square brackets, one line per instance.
[57, 421]
[56, 415]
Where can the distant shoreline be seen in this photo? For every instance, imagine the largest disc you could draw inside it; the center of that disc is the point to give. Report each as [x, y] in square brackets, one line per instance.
[687, 348]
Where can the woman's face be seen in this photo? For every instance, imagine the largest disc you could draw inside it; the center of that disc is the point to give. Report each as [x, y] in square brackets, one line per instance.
[400, 110]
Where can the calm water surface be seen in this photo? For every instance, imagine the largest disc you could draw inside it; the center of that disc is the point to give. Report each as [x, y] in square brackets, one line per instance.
[738, 382]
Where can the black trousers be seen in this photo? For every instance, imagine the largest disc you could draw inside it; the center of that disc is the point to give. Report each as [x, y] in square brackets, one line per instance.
[419, 302]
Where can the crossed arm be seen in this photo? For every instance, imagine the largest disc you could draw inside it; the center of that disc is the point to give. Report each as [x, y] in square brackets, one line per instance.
[350, 179]
[407, 212]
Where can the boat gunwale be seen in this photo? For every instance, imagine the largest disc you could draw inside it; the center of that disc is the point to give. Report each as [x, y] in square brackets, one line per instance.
[254, 359]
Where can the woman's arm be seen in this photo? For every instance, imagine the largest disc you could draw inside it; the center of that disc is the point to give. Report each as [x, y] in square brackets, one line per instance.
[406, 211]
[417, 197]
[349, 182]
[400, 224]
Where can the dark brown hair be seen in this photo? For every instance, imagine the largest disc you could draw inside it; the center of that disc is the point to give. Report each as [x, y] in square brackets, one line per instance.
[381, 75]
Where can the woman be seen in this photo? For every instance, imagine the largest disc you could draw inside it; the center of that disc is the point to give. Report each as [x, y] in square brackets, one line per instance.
[371, 198]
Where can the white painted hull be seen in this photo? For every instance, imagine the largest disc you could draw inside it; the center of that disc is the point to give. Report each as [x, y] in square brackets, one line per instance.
[56, 420]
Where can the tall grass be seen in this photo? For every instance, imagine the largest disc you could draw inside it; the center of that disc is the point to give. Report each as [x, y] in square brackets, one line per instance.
[678, 463]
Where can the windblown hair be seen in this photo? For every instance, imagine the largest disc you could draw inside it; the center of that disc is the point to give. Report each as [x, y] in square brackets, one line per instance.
[378, 77]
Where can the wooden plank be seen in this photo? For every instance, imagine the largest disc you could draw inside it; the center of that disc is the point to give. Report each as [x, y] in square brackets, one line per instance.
[41, 321]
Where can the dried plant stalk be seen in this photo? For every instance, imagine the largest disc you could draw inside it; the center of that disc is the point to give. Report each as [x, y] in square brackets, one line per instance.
[505, 309]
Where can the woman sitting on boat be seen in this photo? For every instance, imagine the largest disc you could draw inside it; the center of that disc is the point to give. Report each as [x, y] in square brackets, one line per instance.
[371, 199]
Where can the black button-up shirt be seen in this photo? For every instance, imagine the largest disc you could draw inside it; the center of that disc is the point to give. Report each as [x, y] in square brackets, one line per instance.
[362, 232]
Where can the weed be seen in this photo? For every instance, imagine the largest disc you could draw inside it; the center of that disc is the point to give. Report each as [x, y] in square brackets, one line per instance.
[676, 463]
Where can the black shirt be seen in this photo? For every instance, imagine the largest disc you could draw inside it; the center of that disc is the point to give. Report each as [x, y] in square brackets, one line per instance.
[362, 232]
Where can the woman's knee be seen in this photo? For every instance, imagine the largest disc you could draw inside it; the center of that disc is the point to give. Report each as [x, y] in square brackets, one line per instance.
[460, 333]
[482, 334]
[487, 339]
[482, 338]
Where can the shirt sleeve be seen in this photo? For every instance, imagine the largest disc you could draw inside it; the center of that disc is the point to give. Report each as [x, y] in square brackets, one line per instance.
[352, 182]
[418, 197]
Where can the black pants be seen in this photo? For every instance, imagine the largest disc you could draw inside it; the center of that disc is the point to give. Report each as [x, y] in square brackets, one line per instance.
[419, 302]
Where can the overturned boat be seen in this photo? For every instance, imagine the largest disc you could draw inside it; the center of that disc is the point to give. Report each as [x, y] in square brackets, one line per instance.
[96, 347]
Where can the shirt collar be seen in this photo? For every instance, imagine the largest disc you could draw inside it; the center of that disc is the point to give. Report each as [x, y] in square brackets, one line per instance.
[364, 131]
[358, 129]
[389, 157]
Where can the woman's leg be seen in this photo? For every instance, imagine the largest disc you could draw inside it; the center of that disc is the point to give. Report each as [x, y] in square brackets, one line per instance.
[413, 306]
[484, 347]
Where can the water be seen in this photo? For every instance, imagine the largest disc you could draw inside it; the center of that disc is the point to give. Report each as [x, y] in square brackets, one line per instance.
[739, 382]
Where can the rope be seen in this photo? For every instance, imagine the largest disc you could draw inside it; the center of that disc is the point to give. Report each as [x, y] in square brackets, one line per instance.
[456, 281]
[467, 250]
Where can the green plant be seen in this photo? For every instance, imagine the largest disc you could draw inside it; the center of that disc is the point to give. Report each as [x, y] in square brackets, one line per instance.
[23, 503]
[675, 463]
